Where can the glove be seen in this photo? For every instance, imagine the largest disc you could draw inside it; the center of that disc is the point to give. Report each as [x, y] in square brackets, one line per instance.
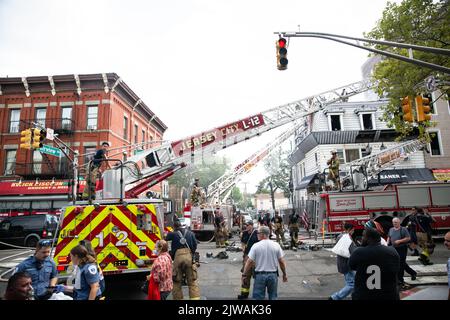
[60, 288]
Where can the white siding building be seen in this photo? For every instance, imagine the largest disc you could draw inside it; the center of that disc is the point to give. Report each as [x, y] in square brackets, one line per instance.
[354, 129]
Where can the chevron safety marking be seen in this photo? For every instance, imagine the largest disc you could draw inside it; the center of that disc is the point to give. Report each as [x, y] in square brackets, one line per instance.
[113, 232]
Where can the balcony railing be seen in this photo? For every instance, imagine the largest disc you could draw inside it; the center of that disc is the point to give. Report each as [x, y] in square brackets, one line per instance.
[43, 170]
[59, 125]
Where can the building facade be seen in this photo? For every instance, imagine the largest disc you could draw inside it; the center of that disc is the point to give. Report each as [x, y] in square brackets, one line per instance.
[263, 201]
[84, 110]
[438, 157]
[354, 130]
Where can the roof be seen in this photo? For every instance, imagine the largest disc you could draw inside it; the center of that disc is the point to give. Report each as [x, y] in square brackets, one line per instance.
[87, 82]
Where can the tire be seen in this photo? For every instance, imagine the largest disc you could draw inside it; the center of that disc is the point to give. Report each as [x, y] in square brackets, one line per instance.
[32, 242]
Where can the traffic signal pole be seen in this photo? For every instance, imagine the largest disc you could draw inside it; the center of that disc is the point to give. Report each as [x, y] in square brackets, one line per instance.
[335, 37]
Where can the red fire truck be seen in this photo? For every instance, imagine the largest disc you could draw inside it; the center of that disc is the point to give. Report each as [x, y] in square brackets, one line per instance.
[335, 208]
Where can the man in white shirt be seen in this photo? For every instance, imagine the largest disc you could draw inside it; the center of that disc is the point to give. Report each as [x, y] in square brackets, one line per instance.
[265, 257]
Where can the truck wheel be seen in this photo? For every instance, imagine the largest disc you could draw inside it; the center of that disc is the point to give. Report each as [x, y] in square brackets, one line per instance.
[31, 242]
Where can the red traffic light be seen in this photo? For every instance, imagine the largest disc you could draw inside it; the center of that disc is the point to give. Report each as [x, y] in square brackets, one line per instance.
[282, 42]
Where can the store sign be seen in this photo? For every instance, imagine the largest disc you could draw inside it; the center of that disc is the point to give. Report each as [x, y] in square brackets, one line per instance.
[441, 174]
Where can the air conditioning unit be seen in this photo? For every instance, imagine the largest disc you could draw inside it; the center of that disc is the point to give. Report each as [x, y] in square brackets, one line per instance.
[92, 127]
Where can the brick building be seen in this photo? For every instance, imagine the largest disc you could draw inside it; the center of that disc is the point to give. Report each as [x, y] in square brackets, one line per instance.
[85, 110]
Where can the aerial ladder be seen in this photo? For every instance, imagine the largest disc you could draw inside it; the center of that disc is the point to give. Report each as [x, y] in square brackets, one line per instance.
[151, 166]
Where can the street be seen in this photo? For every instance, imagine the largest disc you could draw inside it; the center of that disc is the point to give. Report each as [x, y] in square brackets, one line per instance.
[312, 275]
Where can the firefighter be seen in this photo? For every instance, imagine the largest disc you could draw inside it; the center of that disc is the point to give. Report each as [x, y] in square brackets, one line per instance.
[248, 239]
[91, 175]
[197, 194]
[294, 228]
[333, 173]
[219, 233]
[183, 249]
[278, 226]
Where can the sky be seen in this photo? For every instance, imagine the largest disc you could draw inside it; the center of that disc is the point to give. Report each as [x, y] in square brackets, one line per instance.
[197, 64]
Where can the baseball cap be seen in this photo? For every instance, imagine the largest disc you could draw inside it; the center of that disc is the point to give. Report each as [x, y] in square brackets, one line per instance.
[249, 223]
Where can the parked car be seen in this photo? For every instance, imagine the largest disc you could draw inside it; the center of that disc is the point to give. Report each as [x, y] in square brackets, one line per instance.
[247, 218]
[28, 230]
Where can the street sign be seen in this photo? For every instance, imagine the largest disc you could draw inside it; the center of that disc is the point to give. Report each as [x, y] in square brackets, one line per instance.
[50, 150]
[50, 134]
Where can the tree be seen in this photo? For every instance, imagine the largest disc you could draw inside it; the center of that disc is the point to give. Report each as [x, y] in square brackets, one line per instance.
[278, 168]
[419, 22]
[205, 172]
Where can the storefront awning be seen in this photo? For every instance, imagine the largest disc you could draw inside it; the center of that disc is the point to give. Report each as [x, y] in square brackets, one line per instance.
[305, 182]
[441, 174]
[401, 176]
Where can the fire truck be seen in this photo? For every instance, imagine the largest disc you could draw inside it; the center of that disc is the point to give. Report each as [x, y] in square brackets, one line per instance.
[200, 219]
[357, 204]
[123, 226]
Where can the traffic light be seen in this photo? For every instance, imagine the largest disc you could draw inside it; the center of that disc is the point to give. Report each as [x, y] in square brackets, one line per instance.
[25, 139]
[282, 61]
[407, 110]
[38, 136]
[423, 109]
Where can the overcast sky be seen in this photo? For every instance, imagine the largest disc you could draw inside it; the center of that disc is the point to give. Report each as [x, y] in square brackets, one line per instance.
[197, 64]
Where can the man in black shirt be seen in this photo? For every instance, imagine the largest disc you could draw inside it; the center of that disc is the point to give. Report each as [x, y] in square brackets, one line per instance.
[249, 238]
[182, 250]
[91, 175]
[376, 269]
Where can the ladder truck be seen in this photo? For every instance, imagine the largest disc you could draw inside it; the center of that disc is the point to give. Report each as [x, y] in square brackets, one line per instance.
[122, 226]
[357, 205]
[200, 219]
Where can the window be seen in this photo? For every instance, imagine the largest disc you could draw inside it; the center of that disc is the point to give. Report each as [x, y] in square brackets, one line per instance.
[92, 115]
[335, 122]
[367, 121]
[435, 145]
[143, 138]
[37, 162]
[316, 156]
[14, 121]
[40, 116]
[89, 153]
[10, 162]
[66, 120]
[135, 133]
[340, 153]
[125, 128]
[351, 155]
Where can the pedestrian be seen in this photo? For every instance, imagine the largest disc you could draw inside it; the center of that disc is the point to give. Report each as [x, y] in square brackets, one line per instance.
[294, 228]
[412, 229]
[447, 244]
[278, 226]
[88, 245]
[182, 251]
[95, 170]
[87, 278]
[19, 287]
[268, 222]
[343, 268]
[162, 269]
[424, 235]
[376, 269]
[265, 256]
[399, 239]
[42, 270]
[248, 239]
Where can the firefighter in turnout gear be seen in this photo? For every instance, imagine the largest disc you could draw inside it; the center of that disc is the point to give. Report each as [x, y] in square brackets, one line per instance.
[294, 228]
[219, 229]
[333, 173]
[278, 226]
[95, 171]
[197, 194]
[183, 249]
